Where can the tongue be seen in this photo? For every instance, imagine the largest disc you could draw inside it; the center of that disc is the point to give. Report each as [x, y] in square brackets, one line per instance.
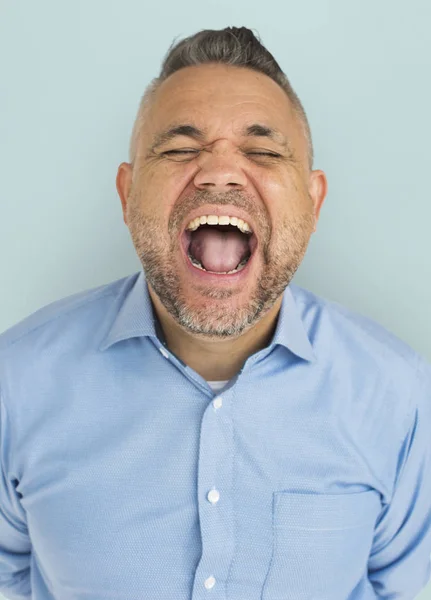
[219, 251]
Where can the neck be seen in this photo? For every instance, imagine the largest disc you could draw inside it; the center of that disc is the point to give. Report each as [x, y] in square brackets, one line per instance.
[215, 359]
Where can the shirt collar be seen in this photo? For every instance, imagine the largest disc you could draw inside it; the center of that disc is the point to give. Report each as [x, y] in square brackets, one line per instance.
[136, 318]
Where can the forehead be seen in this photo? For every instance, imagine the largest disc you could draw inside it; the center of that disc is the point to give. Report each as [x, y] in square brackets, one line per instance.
[224, 95]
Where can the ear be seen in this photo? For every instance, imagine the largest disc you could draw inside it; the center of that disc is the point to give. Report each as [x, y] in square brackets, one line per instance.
[318, 188]
[124, 184]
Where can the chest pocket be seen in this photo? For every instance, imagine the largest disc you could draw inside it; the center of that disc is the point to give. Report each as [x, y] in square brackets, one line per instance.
[321, 544]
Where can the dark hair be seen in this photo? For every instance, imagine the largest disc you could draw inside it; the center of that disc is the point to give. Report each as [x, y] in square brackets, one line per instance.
[236, 46]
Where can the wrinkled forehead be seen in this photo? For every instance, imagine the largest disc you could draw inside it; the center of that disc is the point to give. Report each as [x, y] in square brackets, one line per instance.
[220, 98]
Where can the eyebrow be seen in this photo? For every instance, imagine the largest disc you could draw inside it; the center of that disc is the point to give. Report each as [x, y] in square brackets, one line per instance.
[254, 130]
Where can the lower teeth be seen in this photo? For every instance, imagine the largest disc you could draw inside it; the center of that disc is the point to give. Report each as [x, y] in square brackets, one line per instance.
[197, 264]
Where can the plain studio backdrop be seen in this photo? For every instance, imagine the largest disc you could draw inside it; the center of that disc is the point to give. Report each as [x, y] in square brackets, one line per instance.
[71, 78]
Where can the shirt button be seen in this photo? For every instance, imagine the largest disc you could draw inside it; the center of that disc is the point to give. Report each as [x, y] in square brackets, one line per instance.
[213, 496]
[217, 402]
[210, 582]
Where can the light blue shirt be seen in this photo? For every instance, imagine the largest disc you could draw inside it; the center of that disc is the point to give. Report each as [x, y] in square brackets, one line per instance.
[125, 477]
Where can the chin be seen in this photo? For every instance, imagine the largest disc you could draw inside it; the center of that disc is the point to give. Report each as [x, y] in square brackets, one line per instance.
[218, 317]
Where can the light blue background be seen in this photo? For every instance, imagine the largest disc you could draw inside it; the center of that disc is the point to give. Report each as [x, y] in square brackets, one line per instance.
[72, 74]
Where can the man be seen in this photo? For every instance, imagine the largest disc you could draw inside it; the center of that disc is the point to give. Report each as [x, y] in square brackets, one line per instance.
[205, 428]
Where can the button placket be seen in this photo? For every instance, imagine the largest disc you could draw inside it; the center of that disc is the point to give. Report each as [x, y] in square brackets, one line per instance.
[213, 496]
[216, 470]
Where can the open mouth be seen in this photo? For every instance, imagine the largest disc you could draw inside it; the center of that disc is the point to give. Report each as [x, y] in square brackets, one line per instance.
[219, 245]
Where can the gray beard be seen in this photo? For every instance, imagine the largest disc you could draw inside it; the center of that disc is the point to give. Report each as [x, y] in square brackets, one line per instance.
[158, 263]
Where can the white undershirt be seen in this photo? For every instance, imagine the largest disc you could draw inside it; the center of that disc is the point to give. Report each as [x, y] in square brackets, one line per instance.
[217, 385]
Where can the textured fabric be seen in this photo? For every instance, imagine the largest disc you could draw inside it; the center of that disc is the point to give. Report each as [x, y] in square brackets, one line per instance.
[124, 476]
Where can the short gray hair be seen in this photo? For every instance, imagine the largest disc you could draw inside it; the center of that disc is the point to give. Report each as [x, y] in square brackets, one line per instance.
[236, 46]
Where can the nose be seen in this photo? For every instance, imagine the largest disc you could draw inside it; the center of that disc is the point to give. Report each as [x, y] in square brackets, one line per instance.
[219, 170]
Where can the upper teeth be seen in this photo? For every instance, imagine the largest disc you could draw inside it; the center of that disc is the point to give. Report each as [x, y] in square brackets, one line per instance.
[215, 220]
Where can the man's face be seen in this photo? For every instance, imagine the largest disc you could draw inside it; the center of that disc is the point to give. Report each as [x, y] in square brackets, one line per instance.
[224, 172]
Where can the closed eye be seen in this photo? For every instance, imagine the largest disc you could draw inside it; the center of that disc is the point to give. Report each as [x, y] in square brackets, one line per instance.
[263, 154]
[179, 151]
[195, 151]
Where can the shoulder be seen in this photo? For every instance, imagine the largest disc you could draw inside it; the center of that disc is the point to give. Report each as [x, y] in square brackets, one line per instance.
[376, 376]
[367, 359]
[65, 318]
[333, 327]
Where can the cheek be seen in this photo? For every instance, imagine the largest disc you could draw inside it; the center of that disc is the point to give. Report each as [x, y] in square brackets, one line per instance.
[288, 198]
[160, 188]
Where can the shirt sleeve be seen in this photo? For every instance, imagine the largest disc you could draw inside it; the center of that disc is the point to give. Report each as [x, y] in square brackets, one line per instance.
[399, 565]
[15, 546]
